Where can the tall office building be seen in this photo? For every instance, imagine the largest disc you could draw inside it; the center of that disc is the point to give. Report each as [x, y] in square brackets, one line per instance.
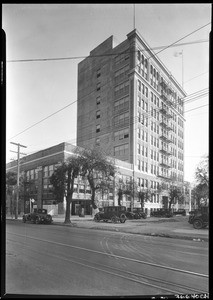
[131, 106]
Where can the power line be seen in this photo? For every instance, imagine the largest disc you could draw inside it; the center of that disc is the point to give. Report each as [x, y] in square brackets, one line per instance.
[113, 54]
[183, 38]
[147, 114]
[87, 95]
[196, 108]
[98, 55]
[195, 77]
[43, 119]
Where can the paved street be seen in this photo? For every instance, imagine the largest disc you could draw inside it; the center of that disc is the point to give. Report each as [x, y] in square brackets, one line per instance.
[69, 260]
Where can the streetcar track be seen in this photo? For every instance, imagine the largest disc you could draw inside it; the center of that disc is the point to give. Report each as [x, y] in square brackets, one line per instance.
[134, 278]
[118, 256]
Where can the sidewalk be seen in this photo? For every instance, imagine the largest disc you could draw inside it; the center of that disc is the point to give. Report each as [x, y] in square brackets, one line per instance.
[176, 227]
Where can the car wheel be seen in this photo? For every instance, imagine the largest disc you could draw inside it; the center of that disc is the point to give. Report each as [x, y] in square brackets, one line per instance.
[37, 220]
[114, 219]
[122, 218]
[97, 218]
[144, 216]
[198, 224]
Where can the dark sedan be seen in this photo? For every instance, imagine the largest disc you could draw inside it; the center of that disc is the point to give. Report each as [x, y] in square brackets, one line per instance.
[180, 212]
[38, 216]
[161, 213]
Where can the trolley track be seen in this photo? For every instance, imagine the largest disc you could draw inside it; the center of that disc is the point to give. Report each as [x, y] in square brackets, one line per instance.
[159, 284]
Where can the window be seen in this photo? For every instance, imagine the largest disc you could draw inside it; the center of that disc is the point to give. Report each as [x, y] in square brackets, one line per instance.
[122, 119]
[31, 174]
[51, 169]
[98, 73]
[98, 128]
[122, 104]
[98, 100]
[45, 171]
[139, 148]
[139, 164]
[139, 133]
[98, 114]
[139, 85]
[75, 188]
[122, 89]
[45, 184]
[81, 189]
[121, 150]
[98, 86]
[121, 134]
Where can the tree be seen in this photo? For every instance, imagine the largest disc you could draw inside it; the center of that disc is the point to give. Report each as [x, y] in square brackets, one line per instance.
[143, 195]
[63, 179]
[134, 191]
[202, 172]
[175, 193]
[11, 181]
[98, 169]
[121, 188]
[201, 190]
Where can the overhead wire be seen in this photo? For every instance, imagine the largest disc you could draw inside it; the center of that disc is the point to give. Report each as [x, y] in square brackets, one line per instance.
[149, 112]
[100, 55]
[107, 83]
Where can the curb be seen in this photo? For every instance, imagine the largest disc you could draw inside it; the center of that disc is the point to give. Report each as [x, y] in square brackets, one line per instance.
[183, 237]
[165, 235]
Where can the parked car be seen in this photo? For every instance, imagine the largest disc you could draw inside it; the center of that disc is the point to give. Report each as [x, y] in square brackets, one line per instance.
[140, 213]
[200, 217]
[180, 212]
[113, 213]
[38, 216]
[161, 212]
[130, 215]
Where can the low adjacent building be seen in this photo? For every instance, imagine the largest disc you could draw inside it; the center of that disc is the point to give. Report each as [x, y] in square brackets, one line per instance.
[36, 170]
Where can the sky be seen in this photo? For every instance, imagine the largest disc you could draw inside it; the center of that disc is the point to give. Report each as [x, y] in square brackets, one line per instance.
[41, 108]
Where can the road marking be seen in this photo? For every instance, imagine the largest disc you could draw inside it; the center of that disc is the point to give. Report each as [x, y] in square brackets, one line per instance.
[118, 256]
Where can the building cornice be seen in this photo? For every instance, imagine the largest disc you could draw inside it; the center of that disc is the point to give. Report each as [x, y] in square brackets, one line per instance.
[153, 56]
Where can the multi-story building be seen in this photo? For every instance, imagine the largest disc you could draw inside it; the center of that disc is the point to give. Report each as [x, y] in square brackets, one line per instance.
[131, 106]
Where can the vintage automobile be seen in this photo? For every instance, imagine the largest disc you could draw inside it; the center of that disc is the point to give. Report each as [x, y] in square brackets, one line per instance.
[200, 217]
[180, 211]
[130, 215]
[38, 216]
[161, 212]
[140, 213]
[113, 213]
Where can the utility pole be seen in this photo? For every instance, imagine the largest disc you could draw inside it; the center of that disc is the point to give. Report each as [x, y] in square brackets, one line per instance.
[18, 171]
